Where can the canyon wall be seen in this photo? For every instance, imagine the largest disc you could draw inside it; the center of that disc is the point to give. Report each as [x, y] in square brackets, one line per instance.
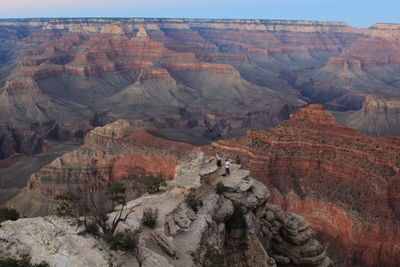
[202, 80]
[345, 183]
[116, 151]
[199, 79]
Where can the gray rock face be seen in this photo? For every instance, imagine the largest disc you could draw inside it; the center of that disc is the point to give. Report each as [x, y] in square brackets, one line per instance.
[292, 239]
[53, 240]
[161, 240]
[235, 228]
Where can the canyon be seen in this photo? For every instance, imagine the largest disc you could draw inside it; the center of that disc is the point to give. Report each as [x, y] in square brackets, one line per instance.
[236, 227]
[343, 182]
[84, 102]
[198, 80]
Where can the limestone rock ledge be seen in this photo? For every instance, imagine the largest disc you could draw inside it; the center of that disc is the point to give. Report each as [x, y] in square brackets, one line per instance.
[237, 227]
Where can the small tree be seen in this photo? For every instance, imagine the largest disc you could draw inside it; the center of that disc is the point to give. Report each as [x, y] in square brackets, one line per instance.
[153, 183]
[8, 214]
[127, 240]
[94, 208]
[149, 218]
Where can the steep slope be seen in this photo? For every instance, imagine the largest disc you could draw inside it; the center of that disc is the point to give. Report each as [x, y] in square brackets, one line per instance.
[116, 151]
[235, 228]
[28, 115]
[345, 183]
[198, 79]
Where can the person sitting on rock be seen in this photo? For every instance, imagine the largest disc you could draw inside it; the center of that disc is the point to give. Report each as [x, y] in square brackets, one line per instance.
[219, 160]
[227, 167]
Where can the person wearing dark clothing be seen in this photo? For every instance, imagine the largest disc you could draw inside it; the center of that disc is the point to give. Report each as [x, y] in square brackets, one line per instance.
[219, 161]
[237, 159]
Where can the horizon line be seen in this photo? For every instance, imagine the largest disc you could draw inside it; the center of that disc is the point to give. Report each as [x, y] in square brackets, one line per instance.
[194, 18]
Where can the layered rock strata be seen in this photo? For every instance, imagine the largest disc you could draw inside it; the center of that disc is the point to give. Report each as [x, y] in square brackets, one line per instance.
[236, 228]
[117, 151]
[167, 71]
[345, 183]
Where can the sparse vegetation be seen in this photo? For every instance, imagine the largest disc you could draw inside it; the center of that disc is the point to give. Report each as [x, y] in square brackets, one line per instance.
[193, 203]
[220, 188]
[92, 228]
[22, 262]
[153, 183]
[130, 240]
[92, 209]
[127, 241]
[8, 214]
[150, 217]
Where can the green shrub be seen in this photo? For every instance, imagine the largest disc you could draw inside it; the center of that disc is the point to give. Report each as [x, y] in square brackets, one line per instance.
[130, 240]
[220, 188]
[153, 183]
[114, 240]
[92, 228]
[149, 218]
[193, 203]
[23, 262]
[8, 214]
[127, 240]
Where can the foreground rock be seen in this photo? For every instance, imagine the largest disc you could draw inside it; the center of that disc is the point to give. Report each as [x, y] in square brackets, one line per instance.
[53, 240]
[237, 227]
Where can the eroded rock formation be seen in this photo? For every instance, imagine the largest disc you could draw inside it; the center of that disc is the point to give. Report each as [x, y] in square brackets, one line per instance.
[237, 227]
[345, 183]
[211, 78]
[110, 153]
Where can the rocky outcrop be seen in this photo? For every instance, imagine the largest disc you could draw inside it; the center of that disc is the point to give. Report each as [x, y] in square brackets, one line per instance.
[236, 228]
[116, 151]
[53, 240]
[341, 180]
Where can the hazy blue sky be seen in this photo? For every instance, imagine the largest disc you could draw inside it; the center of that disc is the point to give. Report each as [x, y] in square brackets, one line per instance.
[360, 13]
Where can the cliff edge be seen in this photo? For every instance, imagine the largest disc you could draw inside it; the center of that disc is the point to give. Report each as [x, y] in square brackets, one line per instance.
[236, 227]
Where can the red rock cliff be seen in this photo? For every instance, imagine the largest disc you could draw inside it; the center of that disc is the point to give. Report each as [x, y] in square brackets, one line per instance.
[112, 152]
[345, 183]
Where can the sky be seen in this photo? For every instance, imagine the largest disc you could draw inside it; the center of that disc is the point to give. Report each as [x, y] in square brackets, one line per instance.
[358, 13]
